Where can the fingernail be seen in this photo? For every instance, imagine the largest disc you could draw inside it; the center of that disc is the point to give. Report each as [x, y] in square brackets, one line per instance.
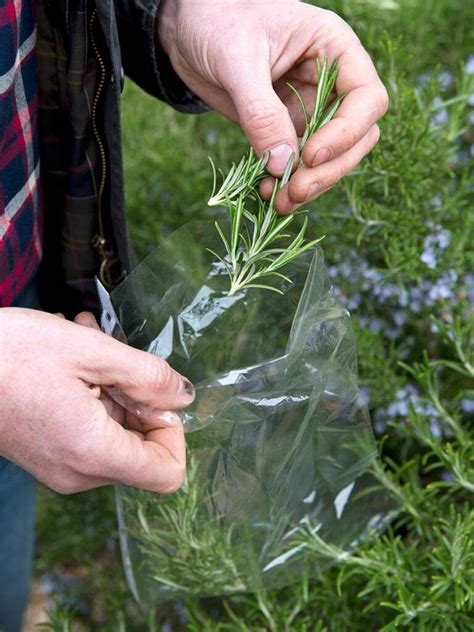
[188, 388]
[279, 157]
[323, 154]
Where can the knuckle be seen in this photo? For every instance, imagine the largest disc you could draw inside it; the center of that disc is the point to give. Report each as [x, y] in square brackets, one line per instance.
[158, 374]
[333, 19]
[263, 116]
[85, 318]
[347, 134]
[66, 486]
[298, 190]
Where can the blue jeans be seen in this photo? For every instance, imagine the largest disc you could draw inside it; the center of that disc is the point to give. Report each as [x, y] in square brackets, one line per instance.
[17, 516]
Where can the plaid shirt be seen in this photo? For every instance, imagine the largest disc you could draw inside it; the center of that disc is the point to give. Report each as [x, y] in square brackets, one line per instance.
[20, 213]
[82, 47]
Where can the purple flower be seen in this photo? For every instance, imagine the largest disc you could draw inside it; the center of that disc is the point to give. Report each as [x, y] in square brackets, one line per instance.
[428, 257]
[469, 287]
[447, 476]
[403, 298]
[439, 291]
[211, 136]
[354, 301]
[440, 116]
[398, 409]
[380, 424]
[435, 428]
[469, 67]
[445, 79]
[372, 275]
[375, 325]
[467, 406]
[434, 328]
[400, 318]
[364, 395]
[444, 237]
[424, 78]
[392, 333]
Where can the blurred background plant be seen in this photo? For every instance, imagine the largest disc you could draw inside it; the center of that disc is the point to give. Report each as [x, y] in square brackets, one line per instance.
[399, 248]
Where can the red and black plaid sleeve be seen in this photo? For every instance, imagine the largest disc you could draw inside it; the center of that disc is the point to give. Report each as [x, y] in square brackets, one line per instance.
[20, 200]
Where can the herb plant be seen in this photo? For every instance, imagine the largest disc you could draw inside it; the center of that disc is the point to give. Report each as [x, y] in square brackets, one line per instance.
[175, 535]
[387, 226]
[259, 244]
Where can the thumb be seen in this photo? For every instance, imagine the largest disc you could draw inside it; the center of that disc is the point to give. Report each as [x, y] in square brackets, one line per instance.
[263, 117]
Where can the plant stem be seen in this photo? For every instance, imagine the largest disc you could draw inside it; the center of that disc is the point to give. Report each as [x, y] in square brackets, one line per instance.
[251, 255]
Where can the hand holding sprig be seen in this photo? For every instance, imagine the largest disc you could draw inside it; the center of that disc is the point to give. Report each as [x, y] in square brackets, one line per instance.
[239, 57]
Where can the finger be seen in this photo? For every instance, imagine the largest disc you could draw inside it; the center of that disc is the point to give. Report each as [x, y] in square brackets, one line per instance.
[307, 184]
[161, 419]
[141, 379]
[113, 408]
[365, 103]
[87, 319]
[152, 432]
[152, 414]
[148, 413]
[113, 398]
[263, 117]
[307, 93]
[266, 187]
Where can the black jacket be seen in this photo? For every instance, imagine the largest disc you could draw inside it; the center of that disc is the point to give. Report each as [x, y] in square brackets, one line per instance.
[85, 47]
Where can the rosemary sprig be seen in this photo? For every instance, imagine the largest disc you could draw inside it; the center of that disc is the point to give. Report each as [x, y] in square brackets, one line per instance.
[323, 110]
[253, 252]
[186, 550]
[240, 180]
[256, 248]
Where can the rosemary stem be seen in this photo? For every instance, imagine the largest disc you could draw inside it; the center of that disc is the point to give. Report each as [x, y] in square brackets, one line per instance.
[250, 247]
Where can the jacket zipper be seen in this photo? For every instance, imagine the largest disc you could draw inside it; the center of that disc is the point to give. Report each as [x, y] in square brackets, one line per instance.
[99, 241]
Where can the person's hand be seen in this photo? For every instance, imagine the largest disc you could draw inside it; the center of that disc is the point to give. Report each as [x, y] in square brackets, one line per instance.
[237, 55]
[58, 421]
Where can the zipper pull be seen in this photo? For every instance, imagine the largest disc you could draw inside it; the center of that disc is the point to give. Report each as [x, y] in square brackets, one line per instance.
[109, 270]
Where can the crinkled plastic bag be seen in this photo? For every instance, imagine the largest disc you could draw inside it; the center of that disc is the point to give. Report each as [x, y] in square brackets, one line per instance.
[279, 441]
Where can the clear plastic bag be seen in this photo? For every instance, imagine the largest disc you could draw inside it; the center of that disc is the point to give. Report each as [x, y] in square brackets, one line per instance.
[279, 441]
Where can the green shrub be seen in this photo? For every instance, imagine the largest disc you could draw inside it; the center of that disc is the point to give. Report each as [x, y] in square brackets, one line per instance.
[400, 250]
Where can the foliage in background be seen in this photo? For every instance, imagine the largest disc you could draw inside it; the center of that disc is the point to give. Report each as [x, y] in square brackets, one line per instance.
[400, 251]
